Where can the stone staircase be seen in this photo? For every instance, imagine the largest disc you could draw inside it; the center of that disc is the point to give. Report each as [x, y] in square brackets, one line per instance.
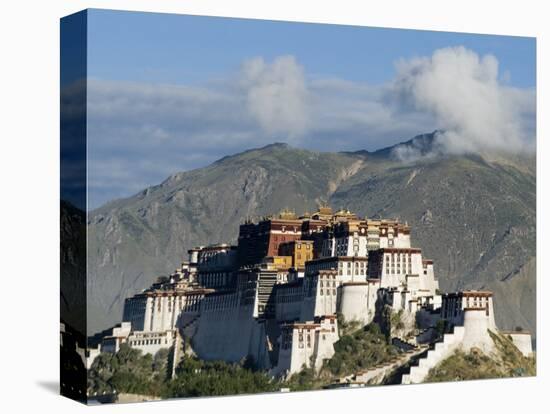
[427, 335]
[440, 351]
[378, 373]
[403, 344]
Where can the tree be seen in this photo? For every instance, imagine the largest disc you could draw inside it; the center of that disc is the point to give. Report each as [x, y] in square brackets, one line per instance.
[128, 371]
[196, 378]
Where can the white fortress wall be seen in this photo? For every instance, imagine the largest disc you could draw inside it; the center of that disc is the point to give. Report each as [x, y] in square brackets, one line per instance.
[151, 342]
[302, 348]
[325, 338]
[288, 301]
[284, 361]
[476, 330]
[135, 311]
[287, 309]
[305, 343]
[326, 299]
[402, 240]
[352, 246]
[454, 306]
[323, 289]
[258, 345]
[428, 281]
[227, 329]
[416, 267]
[123, 330]
[309, 298]
[522, 340]
[397, 263]
[413, 284]
[358, 301]
[307, 309]
[471, 312]
[324, 347]
[160, 311]
[473, 333]
[490, 310]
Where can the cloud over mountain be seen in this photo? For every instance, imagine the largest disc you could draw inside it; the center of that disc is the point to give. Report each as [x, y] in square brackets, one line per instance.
[463, 92]
[141, 133]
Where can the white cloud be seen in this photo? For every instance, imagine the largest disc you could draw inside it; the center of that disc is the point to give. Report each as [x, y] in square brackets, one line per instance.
[277, 96]
[141, 133]
[475, 111]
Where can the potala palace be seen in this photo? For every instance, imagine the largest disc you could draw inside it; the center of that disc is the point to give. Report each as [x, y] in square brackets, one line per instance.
[277, 298]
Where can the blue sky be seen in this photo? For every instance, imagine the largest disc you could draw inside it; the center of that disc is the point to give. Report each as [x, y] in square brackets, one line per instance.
[188, 49]
[169, 93]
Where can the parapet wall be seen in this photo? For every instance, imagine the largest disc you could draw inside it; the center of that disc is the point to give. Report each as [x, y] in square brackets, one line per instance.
[522, 340]
[357, 303]
[476, 330]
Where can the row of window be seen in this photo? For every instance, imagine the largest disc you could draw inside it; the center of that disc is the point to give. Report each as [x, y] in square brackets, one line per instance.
[308, 256]
[394, 272]
[140, 342]
[454, 307]
[183, 302]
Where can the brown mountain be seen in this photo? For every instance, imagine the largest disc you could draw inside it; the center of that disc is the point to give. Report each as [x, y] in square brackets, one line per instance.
[474, 215]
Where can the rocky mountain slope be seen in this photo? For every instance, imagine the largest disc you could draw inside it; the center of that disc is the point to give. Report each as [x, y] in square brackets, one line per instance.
[475, 216]
[73, 267]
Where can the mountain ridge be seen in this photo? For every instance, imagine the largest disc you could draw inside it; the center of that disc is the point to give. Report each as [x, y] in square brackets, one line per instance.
[475, 217]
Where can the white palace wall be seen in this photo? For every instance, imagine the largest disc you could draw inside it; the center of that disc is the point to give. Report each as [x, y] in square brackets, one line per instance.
[358, 301]
[522, 340]
[227, 330]
[306, 343]
[288, 301]
[476, 326]
[152, 342]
